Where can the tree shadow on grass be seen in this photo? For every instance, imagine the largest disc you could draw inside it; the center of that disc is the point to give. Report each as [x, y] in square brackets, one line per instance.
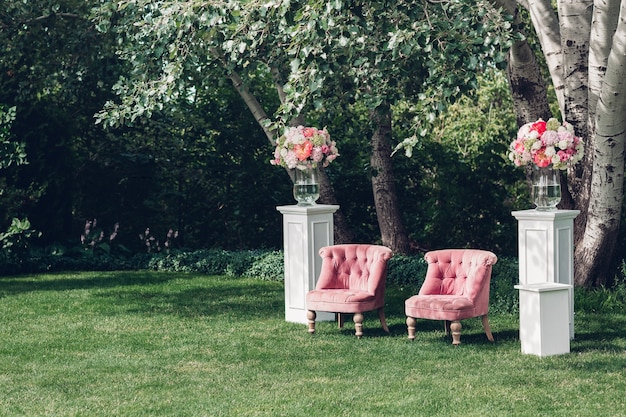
[78, 281]
[599, 345]
[236, 299]
[148, 292]
[599, 332]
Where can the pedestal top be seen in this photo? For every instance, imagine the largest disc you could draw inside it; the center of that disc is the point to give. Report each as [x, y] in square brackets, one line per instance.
[312, 209]
[534, 214]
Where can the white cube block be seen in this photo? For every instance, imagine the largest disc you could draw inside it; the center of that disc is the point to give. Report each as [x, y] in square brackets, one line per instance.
[544, 318]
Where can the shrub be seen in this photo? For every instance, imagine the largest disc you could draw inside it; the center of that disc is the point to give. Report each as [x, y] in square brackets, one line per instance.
[212, 262]
[405, 270]
[259, 263]
[268, 266]
[504, 298]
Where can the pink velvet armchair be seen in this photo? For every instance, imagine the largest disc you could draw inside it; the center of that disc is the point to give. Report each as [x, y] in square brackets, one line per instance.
[352, 281]
[456, 288]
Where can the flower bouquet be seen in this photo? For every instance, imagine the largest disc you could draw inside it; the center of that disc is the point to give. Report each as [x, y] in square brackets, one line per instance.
[301, 147]
[546, 144]
[305, 149]
[548, 147]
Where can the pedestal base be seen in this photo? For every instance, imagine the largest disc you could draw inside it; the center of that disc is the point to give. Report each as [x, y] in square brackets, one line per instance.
[544, 318]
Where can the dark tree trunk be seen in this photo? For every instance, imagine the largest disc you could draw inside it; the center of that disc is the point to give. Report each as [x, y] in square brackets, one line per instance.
[392, 229]
[528, 89]
[343, 233]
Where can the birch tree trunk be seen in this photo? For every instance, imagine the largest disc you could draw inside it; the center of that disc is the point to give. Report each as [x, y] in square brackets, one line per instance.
[584, 48]
[607, 183]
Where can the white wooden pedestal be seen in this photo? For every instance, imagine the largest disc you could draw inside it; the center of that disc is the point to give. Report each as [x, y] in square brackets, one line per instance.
[544, 318]
[306, 229]
[546, 279]
[546, 250]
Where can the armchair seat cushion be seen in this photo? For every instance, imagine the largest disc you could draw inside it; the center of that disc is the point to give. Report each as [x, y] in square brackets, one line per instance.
[439, 307]
[341, 301]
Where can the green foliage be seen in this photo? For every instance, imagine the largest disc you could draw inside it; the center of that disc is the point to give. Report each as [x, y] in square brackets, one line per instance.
[409, 48]
[199, 167]
[51, 52]
[10, 152]
[458, 187]
[268, 265]
[317, 50]
[504, 298]
[15, 245]
[406, 271]
[18, 235]
[55, 71]
[263, 264]
[15, 240]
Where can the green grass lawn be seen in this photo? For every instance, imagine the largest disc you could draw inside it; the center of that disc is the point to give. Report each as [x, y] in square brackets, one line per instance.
[169, 344]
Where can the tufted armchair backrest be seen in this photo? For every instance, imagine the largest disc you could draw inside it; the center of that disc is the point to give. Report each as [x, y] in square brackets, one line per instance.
[460, 272]
[360, 267]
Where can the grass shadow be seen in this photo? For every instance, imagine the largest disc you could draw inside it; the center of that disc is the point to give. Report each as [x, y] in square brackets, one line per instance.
[599, 332]
[235, 298]
[59, 281]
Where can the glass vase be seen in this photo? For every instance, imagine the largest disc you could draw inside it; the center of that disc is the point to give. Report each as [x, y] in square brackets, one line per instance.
[546, 188]
[306, 188]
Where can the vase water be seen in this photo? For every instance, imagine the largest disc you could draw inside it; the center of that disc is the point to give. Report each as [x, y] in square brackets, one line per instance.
[306, 188]
[546, 188]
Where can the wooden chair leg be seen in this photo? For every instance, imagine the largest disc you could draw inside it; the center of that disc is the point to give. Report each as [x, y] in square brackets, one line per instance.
[383, 321]
[455, 327]
[310, 315]
[446, 325]
[487, 328]
[340, 320]
[358, 324]
[410, 324]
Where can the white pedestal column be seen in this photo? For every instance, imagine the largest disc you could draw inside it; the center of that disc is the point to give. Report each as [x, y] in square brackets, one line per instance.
[544, 318]
[306, 229]
[546, 251]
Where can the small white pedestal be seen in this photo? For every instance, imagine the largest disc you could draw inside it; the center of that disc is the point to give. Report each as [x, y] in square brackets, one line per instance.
[306, 229]
[544, 318]
[546, 251]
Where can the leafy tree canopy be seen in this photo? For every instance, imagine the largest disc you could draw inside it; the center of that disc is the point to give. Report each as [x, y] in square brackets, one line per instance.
[318, 51]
